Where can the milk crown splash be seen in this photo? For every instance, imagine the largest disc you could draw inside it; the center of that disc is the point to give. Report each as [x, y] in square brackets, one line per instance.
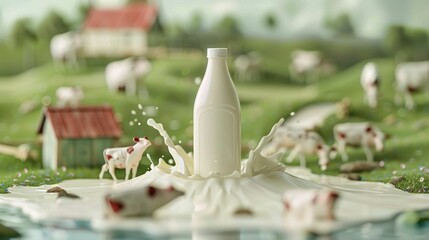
[217, 144]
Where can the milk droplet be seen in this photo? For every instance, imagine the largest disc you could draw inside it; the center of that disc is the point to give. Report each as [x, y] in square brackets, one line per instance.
[150, 111]
[140, 106]
[131, 123]
[170, 161]
[139, 123]
[133, 112]
[292, 113]
[180, 141]
[197, 80]
[144, 113]
[135, 119]
[156, 108]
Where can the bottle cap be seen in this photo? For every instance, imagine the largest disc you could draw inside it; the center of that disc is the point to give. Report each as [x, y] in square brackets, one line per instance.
[217, 52]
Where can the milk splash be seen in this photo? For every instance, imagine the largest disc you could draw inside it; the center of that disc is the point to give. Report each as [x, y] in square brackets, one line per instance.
[256, 164]
[183, 161]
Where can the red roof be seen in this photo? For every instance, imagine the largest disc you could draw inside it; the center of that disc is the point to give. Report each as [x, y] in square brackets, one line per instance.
[140, 16]
[82, 122]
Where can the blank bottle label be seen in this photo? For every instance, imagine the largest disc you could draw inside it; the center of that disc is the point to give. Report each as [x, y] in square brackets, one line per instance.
[218, 133]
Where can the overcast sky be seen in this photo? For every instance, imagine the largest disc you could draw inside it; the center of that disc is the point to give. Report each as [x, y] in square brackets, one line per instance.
[295, 17]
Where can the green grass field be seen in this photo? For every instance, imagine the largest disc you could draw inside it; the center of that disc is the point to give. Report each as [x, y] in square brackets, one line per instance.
[172, 89]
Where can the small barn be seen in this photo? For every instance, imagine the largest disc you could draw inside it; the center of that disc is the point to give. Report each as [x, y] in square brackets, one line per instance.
[76, 137]
[119, 32]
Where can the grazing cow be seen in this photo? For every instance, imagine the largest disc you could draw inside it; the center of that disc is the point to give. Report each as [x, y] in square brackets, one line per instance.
[363, 135]
[370, 82]
[309, 206]
[124, 157]
[410, 78]
[247, 66]
[141, 201]
[69, 96]
[123, 75]
[305, 63]
[65, 48]
[302, 143]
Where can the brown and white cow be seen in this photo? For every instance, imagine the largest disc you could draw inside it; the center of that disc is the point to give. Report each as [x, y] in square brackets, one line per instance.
[307, 206]
[410, 78]
[301, 143]
[370, 81]
[364, 135]
[124, 157]
[65, 48]
[124, 75]
[141, 201]
[247, 66]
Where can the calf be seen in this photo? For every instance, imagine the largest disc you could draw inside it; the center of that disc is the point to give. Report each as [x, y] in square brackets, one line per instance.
[308, 206]
[363, 135]
[410, 78]
[370, 82]
[69, 96]
[302, 143]
[142, 201]
[124, 157]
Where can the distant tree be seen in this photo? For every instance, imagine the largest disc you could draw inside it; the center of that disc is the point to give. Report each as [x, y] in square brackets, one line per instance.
[83, 11]
[270, 20]
[396, 38]
[22, 33]
[51, 25]
[22, 36]
[196, 23]
[407, 43]
[227, 28]
[341, 25]
[418, 37]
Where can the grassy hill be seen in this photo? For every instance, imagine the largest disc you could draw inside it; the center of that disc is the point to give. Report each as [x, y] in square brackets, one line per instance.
[172, 90]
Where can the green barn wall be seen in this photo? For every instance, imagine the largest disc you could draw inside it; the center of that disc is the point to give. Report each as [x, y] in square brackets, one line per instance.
[83, 152]
[98, 147]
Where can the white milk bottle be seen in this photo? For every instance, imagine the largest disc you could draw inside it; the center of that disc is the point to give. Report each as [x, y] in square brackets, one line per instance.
[217, 143]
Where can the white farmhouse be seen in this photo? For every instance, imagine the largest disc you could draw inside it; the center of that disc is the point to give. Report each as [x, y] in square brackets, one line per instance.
[118, 32]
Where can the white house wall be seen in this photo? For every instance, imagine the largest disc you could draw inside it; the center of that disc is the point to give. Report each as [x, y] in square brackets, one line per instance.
[50, 146]
[114, 42]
